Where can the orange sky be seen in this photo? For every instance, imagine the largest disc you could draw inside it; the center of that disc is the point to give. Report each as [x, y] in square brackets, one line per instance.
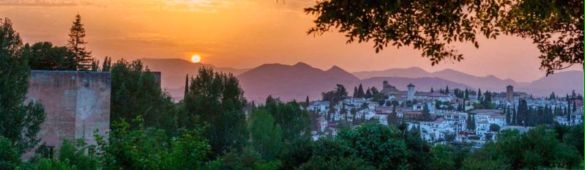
[242, 34]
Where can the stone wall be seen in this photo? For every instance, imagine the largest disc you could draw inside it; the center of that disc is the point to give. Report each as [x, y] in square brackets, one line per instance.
[76, 104]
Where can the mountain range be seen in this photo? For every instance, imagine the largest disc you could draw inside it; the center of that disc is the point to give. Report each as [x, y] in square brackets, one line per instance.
[173, 72]
[300, 80]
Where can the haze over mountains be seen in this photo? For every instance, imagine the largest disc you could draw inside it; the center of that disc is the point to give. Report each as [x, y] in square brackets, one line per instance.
[300, 80]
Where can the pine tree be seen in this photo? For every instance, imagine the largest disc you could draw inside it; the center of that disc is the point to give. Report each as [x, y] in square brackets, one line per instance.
[76, 44]
[355, 92]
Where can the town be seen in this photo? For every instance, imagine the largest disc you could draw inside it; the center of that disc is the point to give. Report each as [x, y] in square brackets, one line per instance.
[444, 115]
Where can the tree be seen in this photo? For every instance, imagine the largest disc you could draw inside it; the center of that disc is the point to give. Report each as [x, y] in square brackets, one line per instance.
[45, 56]
[151, 148]
[442, 157]
[136, 92]
[9, 156]
[368, 94]
[432, 26]
[77, 153]
[76, 44]
[552, 96]
[523, 113]
[186, 90]
[336, 95]
[361, 92]
[216, 99]
[487, 100]
[107, 64]
[265, 134]
[494, 127]
[19, 120]
[479, 94]
[508, 115]
[377, 145]
[470, 122]
[426, 113]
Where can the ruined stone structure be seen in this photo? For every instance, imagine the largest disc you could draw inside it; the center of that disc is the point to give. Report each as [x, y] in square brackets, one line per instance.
[76, 104]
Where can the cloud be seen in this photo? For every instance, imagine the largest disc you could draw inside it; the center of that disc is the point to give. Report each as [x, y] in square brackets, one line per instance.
[45, 3]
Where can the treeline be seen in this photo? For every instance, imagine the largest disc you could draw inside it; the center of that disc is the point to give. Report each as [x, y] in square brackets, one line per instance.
[214, 127]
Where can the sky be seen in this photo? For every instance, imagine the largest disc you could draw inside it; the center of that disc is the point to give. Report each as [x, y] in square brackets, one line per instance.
[244, 34]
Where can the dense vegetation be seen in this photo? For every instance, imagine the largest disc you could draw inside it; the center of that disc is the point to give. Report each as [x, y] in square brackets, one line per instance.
[214, 127]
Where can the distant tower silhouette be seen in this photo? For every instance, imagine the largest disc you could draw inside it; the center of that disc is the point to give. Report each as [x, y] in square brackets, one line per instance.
[411, 91]
[510, 93]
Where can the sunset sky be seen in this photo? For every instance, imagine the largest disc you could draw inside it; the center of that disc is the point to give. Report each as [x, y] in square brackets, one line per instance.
[242, 34]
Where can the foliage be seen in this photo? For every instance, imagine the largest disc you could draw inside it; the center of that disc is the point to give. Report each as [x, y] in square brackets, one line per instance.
[9, 156]
[442, 157]
[266, 135]
[431, 26]
[78, 154]
[335, 96]
[19, 121]
[335, 163]
[45, 56]
[370, 146]
[136, 92]
[150, 148]
[216, 99]
[248, 159]
[494, 127]
[538, 148]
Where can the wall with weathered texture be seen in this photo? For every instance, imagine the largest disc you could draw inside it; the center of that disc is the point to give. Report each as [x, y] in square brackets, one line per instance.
[76, 104]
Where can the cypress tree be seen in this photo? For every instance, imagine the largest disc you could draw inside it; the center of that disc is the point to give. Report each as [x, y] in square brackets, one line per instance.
[186, 86]
[361, 91]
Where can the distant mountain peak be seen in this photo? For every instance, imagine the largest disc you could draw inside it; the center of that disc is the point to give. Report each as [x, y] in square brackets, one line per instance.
[302, 64]
[335, 68]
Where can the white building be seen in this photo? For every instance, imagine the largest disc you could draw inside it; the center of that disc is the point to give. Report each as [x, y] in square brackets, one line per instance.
[484, 118]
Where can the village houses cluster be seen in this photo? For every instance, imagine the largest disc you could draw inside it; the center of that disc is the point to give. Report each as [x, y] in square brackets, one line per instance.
[443, 115]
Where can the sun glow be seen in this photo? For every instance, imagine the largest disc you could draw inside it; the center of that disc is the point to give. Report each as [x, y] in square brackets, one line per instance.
[196, 58]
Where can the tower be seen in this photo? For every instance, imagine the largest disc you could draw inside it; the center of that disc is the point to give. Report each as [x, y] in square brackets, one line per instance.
[510, 93]
[411, 91]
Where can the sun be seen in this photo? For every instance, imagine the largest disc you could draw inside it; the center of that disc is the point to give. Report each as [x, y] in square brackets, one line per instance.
[196, 58]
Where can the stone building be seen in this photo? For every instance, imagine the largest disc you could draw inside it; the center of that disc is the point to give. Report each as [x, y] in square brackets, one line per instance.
[76, 104]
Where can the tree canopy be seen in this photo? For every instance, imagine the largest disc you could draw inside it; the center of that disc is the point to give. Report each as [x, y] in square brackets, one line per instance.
[19, 120]
[433, 26]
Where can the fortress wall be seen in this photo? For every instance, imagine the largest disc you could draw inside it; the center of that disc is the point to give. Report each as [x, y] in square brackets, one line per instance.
[76, 104]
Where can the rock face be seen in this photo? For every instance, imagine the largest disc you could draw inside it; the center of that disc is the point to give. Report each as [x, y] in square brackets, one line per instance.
[76, 104]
